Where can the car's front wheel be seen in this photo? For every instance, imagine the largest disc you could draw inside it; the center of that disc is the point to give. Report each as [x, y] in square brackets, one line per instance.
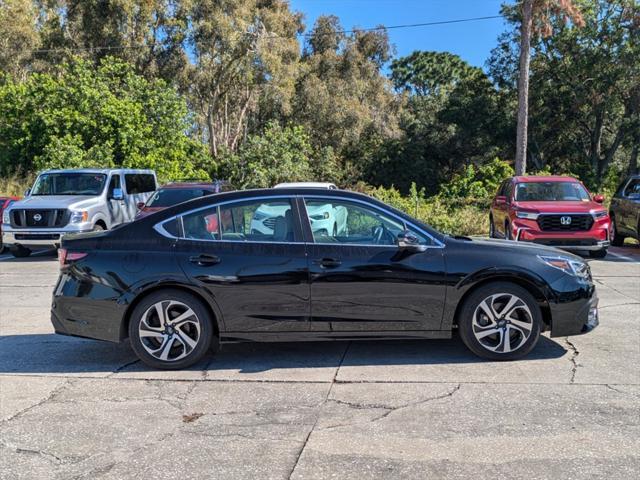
[598, 253]
[617, 239]
[19, 251]
[170, 329]
[500, 321]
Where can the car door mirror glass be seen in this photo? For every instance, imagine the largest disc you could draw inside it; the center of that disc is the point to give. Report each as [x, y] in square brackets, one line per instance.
[598, 198]
[27, 192]
[408, 240]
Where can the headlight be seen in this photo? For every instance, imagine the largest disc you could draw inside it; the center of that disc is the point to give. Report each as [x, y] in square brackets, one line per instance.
[527, 214]
[320, 216]
[79, 216]
[601, 214]
[5, 217]
[572, 267]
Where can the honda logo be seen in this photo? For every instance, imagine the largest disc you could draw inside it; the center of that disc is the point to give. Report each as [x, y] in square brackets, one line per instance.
[565, 220]
[37, 217]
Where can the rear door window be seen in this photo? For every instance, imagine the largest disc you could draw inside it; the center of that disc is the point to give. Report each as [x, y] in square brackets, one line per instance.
[139, 183]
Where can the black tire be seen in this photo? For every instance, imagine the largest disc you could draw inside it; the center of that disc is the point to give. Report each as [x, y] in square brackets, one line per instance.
[617, 239]
[531, 315]
[507, 231]
[492, 228]
[598, 253]
[19, 251]
[195, 354]
[98, 228]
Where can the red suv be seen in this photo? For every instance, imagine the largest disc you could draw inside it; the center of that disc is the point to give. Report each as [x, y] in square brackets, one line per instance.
[553, 210]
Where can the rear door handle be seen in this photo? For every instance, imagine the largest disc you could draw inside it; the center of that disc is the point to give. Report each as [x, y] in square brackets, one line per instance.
[328, 262]
[205, 260]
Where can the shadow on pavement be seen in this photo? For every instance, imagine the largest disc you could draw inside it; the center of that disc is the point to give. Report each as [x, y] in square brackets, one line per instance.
[55, 354]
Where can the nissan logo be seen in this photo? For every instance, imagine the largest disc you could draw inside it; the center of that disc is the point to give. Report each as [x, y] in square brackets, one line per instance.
[565, 220]
[37, 217]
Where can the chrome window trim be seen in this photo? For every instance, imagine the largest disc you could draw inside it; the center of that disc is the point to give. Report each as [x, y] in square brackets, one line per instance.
[437, 243]
[159, 227]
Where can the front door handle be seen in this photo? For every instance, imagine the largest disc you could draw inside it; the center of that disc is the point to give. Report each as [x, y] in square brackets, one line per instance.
[328, 262]
[205, 260]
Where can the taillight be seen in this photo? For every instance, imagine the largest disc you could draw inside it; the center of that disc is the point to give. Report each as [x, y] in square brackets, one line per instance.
[65, 257]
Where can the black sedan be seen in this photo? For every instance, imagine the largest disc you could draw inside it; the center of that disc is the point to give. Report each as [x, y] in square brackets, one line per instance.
[265, 265]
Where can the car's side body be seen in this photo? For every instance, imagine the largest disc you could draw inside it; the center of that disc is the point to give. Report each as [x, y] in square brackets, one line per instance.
[625, 209]
[41, 220]
[578, 224]
[302, 288]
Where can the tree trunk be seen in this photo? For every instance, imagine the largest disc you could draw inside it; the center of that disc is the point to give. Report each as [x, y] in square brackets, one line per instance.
[523, 87]
[633, 161]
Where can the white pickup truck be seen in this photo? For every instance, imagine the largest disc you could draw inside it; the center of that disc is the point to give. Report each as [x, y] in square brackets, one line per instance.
[71, 201]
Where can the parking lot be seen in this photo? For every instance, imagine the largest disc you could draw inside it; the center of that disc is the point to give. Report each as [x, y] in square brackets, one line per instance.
[73, 408]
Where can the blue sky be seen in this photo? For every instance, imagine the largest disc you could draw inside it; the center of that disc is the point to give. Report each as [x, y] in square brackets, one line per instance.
[473, 41]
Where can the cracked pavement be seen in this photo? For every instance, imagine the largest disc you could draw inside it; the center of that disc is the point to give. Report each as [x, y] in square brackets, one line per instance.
[79, 409]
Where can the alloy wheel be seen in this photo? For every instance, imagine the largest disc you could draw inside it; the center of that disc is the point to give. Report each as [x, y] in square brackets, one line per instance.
[169, 330]
[502, 323]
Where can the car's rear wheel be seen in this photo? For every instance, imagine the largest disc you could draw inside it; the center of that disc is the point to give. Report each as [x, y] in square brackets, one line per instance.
[170, 329]
[617, 239]
[19, 251]
[507, 231]
[500, 321]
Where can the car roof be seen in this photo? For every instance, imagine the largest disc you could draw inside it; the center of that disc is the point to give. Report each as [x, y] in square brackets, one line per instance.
[325, 185]
[544, 178]
[98, 170]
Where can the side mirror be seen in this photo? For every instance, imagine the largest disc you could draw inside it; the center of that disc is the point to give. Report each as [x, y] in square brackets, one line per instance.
[501, 200]
[117, 194]
[140, 205]
[27, 192]
[598, 198]
[408, 241]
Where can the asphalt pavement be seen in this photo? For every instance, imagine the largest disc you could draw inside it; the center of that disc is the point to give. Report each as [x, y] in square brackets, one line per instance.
[81, 409]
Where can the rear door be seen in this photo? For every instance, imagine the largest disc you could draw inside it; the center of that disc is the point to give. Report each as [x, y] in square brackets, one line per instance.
[257, 276]
[360, 280]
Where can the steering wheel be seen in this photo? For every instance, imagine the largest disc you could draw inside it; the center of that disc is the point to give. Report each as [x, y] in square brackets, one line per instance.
[378, 234]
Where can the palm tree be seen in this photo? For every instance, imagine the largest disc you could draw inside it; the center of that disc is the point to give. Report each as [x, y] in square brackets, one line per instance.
[536, 18]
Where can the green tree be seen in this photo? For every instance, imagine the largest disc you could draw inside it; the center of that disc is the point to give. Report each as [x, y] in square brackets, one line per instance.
[453, 116]
[102, 115]
[278, 155]
[342, 98]
[18, 37]
[536, 16]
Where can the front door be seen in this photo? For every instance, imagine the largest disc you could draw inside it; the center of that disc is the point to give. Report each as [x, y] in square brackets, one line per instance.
[360, 280]
[250, 257]
[116, 206]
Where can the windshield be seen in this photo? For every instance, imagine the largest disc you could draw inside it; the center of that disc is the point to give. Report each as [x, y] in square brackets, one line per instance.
[69, 184]
[551, 192]
[167, 197]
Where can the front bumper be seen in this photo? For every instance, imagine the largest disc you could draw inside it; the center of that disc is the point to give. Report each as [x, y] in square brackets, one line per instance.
[597, 238]
[36, 238]
[576, 317]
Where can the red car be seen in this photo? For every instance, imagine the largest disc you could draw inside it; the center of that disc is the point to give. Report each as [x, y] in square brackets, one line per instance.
[552, 210]
[174, 193]
[4, 203]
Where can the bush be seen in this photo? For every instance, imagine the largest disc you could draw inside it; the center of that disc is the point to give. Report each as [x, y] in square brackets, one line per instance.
[459, 217]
